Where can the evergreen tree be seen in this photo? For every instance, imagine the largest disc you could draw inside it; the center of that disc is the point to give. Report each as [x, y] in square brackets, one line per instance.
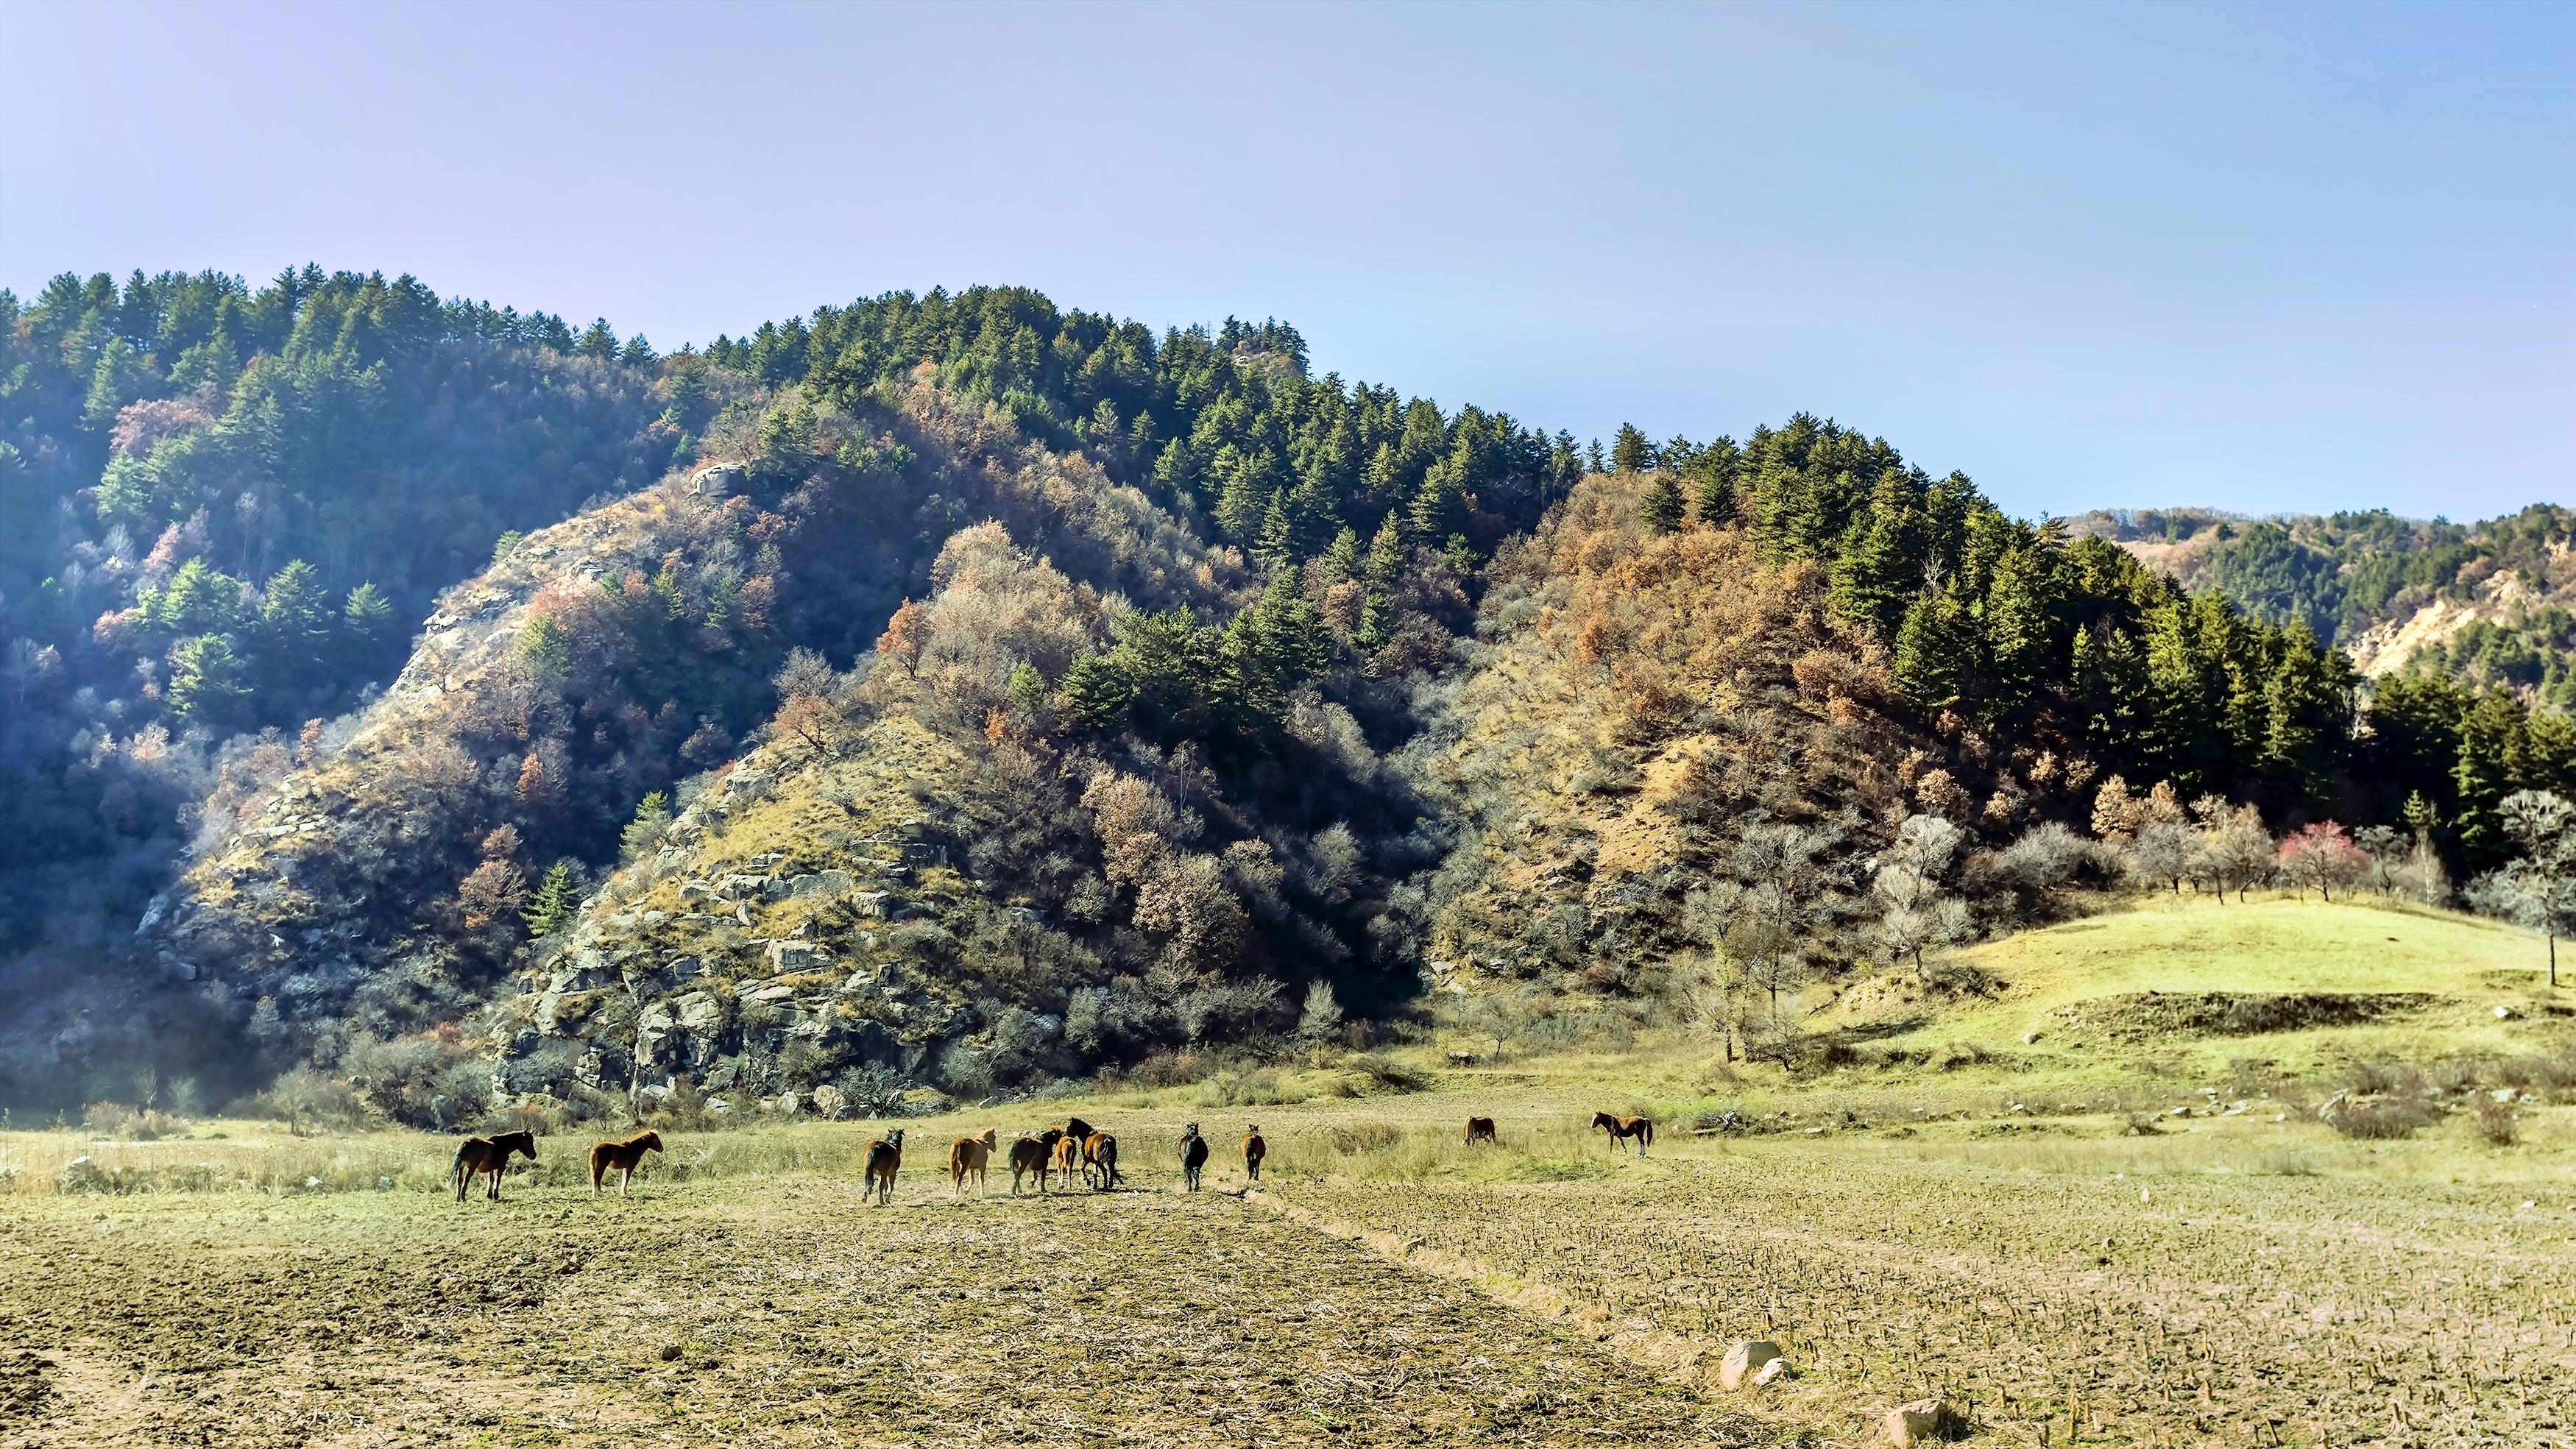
[2018, 651]
[295, 632]
[1631, 453]
[205, 681]
[553, 904]
[1342, 559]
[1880, 569]
[1710, 478]
[367, 617]
[652, 817]
[1659, 504]
[1930, 660]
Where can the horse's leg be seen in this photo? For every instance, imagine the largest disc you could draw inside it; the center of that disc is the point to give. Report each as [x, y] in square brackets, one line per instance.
[625, 1181]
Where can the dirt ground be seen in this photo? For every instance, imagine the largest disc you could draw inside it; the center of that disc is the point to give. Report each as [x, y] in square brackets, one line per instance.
[771, 1312]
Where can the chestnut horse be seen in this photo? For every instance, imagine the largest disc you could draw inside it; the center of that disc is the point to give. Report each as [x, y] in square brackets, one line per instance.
[885, 1159]
[624, 1156]
[1032, 1155]
[1100, 1160]
[1068, 1157]
[478, 1155]
[1623, 1128]
[1481, 1129]
[1194, 1155]
[967, 1155]
[1254, 1149]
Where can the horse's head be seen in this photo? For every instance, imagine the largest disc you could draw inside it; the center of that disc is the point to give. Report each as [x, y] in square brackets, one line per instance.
[894, 1139]
[1190, 1130]
[1603, 1119]
[650, 1141]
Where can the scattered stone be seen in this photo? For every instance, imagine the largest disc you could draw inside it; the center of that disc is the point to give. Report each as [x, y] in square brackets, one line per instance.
[670, 1353]
[2506, 1013]
[1743, 1360]
[1771, 1373]
[1924, 1421]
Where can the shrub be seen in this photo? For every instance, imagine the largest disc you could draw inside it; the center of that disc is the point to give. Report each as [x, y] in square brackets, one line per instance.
[2495, 1122]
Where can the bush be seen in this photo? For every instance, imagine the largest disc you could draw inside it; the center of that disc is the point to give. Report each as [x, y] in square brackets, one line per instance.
[2495, 1121]
[1366, 1135]
[2382, 1120]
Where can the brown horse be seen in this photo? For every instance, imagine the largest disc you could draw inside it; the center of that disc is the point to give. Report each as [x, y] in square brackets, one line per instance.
[1032, 1155]
[1194, 1156]
[624, 1156]
[479, 1155]
[885, 1159]
[967, 1155]
[1623, 1128]
[1481, 1129]
[1254, 1149]
[1068, 1157]
[1100, 1160]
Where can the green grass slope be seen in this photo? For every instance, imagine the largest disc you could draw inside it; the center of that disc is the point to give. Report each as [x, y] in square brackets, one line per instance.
[2191, 976]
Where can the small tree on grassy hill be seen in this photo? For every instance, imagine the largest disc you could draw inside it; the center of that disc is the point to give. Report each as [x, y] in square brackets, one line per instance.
[2321, 854]
[2231, 848]
[2536, 889]
[1915, 910]
[1320, 1018]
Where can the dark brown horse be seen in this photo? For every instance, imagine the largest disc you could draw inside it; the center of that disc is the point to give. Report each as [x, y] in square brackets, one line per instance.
[885, 1159]
[1481, 1129]
[1100, 1160]
[1194, 1156]
[1623, 1128]
[623, 1156]
[479, 1155]
[1254, 1149]
[1032, 1155]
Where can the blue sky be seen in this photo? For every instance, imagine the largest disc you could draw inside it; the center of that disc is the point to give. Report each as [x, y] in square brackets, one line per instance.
[2259, 257]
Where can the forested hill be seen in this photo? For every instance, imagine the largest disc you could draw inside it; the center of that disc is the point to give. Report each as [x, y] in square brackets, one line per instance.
[2486, 603]
[1081, 694]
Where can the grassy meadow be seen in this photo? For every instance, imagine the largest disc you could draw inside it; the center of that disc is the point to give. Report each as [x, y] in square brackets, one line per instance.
[2119, 1231]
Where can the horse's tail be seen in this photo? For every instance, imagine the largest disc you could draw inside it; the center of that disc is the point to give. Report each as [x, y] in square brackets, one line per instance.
[1650, 1133]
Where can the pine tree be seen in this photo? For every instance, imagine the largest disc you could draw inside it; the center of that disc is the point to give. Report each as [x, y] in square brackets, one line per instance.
[1710, 476]
[1631, 453]
[652, 817]
[1342, 560]
[2018, 626]
[546, 647]
[1879, 569]
[367, 618]
[1927, 668]
[1659, 504]
[553, 904]
[294, 631]
[205, 681]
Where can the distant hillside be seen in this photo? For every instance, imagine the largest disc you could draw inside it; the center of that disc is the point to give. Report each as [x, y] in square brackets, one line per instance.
[2484, 603]
[960, 693]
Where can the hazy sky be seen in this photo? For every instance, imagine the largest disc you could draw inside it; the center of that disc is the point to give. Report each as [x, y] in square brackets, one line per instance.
[2262, 257]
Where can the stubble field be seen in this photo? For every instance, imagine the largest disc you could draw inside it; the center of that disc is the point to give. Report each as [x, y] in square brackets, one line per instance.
[2233, 1283]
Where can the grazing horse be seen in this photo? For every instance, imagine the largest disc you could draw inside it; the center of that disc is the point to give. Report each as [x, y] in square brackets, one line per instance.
[1623, 1128]
[1100, 1160]
[885, 1159]
[968, 1155]
[624, 1156]
[1481, 1129]
[1194, 1155]
[1031, 1155]
[1068, 1157]
[1254, 1149]
[478, 1155]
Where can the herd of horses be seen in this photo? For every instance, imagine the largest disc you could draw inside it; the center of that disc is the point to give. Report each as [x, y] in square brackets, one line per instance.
[1065, 1151]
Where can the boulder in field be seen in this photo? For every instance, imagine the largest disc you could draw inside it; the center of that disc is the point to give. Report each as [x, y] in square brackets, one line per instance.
[1743, 1361]
[1924, 1421]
